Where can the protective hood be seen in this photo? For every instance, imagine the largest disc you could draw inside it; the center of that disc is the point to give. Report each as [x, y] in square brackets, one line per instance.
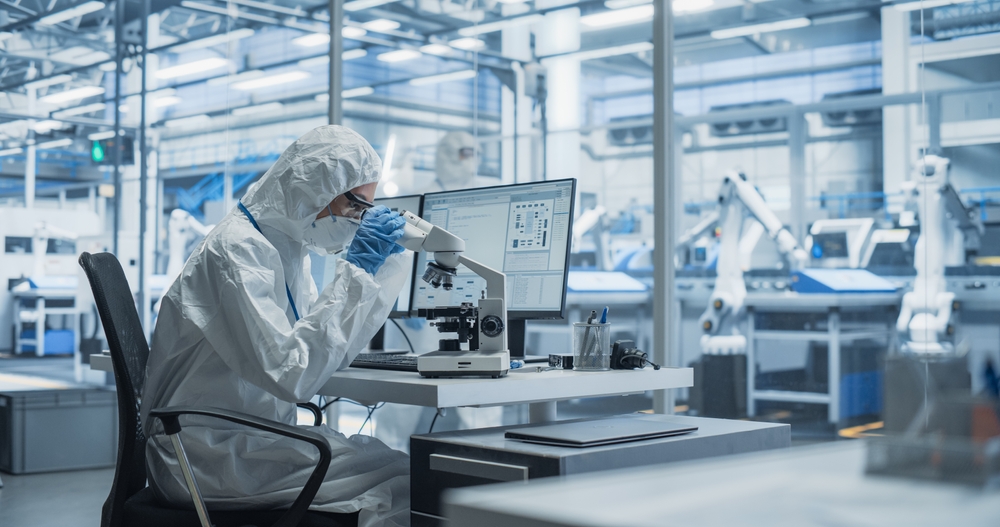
[451, 169]
[319, 166]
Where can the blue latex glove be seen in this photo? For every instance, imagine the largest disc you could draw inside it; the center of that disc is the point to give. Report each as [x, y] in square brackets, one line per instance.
[376, 239]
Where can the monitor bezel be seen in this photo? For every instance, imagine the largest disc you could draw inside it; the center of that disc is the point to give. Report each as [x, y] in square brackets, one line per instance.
[519, 314]
[409, 312]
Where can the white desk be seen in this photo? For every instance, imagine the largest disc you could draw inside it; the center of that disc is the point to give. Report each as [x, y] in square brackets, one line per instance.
[540, 390]
[819, 485]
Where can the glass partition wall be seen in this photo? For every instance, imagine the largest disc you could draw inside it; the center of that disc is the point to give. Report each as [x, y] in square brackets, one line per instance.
[820, 272]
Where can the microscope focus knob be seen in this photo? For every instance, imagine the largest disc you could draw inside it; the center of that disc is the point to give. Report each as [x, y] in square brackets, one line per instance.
[492, 326]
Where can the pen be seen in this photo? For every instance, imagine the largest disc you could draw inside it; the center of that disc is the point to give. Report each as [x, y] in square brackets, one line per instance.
[604, 316]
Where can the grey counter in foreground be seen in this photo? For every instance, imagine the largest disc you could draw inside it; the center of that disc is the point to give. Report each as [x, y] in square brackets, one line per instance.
[821, 485]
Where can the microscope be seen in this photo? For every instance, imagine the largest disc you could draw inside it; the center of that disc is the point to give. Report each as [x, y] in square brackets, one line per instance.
[483, 325]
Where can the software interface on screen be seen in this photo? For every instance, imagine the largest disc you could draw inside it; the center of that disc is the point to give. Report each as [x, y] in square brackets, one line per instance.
[522, 230]
[412, 204]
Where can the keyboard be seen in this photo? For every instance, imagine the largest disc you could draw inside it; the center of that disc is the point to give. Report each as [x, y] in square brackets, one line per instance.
[385, 361]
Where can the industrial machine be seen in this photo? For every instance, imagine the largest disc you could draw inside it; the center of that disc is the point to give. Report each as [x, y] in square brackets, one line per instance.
[483, 326]
[739, 200]
[839, 243]
[949, 234]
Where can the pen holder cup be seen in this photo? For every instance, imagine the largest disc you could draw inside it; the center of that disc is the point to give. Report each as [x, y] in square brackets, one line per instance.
[591, 347]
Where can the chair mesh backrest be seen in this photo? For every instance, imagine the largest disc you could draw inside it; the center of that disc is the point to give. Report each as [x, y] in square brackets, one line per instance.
[129, 352]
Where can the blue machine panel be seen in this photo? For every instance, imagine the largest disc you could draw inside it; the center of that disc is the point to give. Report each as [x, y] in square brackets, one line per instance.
[839, 281]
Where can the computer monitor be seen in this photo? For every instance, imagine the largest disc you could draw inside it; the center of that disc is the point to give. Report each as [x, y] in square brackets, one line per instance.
[402, 309]
[522, 230]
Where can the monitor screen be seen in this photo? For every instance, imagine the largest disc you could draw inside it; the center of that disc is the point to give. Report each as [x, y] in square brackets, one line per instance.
[522, 230]
[399, 204]
[830, 245]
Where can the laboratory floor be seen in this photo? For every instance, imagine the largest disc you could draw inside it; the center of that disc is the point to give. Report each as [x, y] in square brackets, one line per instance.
[56, 499]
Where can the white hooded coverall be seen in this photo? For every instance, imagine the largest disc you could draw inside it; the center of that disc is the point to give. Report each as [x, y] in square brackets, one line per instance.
[226, 337]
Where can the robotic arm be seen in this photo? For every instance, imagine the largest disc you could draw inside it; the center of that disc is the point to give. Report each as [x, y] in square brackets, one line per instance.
[40, 243]
[737, 200]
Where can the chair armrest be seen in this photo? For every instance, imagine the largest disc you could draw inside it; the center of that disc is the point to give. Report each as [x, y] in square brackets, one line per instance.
[171, 423]
[317, 413]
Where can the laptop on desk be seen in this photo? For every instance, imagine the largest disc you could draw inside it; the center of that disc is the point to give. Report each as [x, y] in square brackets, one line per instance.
[597, 432]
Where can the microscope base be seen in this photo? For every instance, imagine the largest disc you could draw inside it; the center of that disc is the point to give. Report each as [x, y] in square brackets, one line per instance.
[464, 364]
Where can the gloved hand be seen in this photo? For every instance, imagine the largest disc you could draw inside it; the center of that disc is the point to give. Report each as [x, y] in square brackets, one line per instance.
[376, 239]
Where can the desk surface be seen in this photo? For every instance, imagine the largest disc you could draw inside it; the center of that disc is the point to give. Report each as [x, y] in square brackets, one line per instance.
[805, 486]
[518, 387]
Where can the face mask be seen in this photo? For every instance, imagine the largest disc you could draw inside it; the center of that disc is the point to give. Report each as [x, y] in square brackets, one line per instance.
[330, 235]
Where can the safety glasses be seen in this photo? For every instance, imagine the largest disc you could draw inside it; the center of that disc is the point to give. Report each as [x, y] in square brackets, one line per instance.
[355, 207]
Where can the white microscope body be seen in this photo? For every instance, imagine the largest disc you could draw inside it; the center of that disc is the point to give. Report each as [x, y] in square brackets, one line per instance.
[947, 229]
[492, 356]
[738, 200]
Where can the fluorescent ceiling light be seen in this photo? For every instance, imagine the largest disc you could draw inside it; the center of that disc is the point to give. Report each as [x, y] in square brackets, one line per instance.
[399, 55]
[618, 17]
[514, 1]
[352, 32]
[836, 19]
[381, 25]
[72, 95]
[249, 110]
[744, 31]
[72, 13]
[4, 35]
[358, 5]
[80, 55]
[228, 79]
[619, 4]
[322, 60]
[11, 151]
[213, 40]
[99, 136]
[92, 58]
[187, 121]
[490, 27]
[324, 97]
[80, 110]
[191, 68]
[927, 4]
[234, 12]
[356, 92]
[51, 81]
[312, 40]
[55, 144]
[436, 49]
[467, 44]
[163, 102]
[272, 80]
[108, 66]
[44, 127]
[444, 77]
[614, 51]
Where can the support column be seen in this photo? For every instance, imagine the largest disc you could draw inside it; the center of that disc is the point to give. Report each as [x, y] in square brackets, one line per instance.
[665, 198]
[516, 45]
[798, 129]
[335, 110]
[29, 164]
[896, 121]
[559, 33]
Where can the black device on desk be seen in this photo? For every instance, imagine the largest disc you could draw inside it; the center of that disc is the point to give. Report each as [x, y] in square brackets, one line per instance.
[598, 432]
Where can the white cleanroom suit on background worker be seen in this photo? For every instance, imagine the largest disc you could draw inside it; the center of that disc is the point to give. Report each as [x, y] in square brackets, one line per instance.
[244, 328]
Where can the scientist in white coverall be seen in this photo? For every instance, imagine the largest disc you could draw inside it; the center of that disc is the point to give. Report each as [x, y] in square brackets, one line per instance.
[244, 328]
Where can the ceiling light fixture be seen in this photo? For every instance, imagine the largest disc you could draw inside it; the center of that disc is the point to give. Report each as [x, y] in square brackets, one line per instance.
[356, 92]
[80, 110]
[51, 81]
[399, 55]
[352, 32]
[229, 79]
[192, 68]
[618, 17]
[444, 77]
[358, 5]
[11, 151]
[467, 44]
[927, 4]
[614, 51]
[436, 49]
[312, 40]
[71, 13]
[381, 25]
[72, 95]
[187, 121]
[163, 102]
[745, 31]
[100, 136]
[213, 40]
[54, 144]
[272, 80]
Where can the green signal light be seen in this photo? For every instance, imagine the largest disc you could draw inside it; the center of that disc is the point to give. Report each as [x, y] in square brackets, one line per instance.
[97, 152]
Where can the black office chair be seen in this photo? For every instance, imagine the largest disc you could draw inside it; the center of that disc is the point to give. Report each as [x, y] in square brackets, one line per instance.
[131, 503]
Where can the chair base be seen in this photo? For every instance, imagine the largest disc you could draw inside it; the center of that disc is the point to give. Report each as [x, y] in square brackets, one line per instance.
[142, 510]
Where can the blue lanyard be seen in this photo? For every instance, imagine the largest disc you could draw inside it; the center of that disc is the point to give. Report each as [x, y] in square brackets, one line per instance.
[254, 223]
